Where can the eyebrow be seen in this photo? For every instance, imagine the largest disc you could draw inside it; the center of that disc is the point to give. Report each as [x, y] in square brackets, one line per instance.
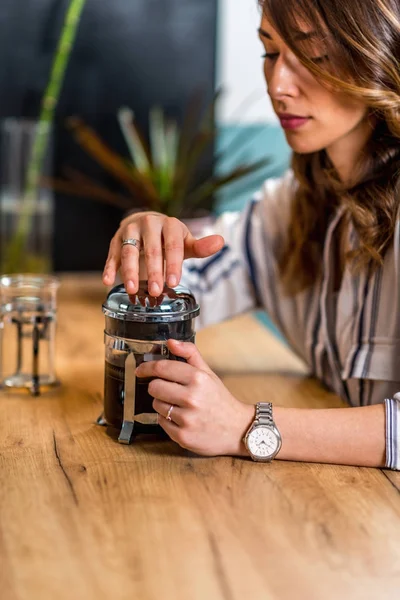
[264, 33]
[299, 36]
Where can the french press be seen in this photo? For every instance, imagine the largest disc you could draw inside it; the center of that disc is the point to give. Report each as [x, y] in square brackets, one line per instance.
[28, 309]
[137, 328]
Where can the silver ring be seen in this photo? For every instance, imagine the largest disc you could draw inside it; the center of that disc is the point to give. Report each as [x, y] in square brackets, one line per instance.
[131, 242]
[168, 417]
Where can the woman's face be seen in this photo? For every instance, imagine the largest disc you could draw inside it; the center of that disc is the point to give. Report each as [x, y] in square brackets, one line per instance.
[313, 117]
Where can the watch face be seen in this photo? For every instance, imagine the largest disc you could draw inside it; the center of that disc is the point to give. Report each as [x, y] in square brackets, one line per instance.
[262, 442]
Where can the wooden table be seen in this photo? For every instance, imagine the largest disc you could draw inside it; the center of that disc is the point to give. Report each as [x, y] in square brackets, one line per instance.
[82, 517]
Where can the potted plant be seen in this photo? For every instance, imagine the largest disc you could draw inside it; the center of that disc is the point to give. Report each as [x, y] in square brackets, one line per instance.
[162, 173]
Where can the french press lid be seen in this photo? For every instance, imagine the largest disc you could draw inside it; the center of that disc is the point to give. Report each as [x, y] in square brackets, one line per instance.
[174, 304]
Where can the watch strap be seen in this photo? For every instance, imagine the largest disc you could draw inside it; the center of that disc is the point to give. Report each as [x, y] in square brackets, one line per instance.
[264, 414]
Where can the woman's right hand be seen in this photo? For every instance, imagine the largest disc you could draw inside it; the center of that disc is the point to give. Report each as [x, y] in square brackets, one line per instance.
[161, 238]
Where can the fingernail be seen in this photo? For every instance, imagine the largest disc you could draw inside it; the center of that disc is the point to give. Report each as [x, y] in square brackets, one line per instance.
[172, 281]
[130, 287]
[154, 289]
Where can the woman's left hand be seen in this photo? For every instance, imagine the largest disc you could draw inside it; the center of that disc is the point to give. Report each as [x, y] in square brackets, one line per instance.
[205, 417]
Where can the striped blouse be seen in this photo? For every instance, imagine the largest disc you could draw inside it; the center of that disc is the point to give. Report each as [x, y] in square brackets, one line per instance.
[350, 339]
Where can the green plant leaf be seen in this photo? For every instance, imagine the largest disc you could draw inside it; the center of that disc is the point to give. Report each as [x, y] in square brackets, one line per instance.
[134, 141]
[197, 134]
[186, 170]
[140, 186]
[172, 140]
[165, 181]
[84, 187]
[159, 150]
[157, 138]
[215, 183]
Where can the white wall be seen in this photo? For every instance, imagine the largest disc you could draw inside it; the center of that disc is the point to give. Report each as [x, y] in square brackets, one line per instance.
[239, 64]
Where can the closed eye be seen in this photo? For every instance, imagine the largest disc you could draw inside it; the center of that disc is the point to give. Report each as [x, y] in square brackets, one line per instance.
[320, 59]
[270, 55]
[316, 59]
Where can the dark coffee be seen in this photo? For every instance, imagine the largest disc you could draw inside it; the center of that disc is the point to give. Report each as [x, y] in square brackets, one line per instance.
[114, 378]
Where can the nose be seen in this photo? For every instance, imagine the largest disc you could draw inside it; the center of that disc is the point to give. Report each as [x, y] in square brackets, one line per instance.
[281, 81]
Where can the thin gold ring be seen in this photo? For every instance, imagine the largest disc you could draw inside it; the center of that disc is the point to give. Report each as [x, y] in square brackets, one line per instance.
[168, 417]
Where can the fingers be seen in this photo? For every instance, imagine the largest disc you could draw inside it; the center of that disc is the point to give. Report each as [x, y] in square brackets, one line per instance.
[153, 251]
[175, 427]
[173, 234]
[113, 261]
[183, 373]
[168, 370]
[130, 258]
[190, 352]
[163, 409]
[167, 391]
[160, 236]
[124, 257]
[180, 244]
[206, 246]
[170, 429]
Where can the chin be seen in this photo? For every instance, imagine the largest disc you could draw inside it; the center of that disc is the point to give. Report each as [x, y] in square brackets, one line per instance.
[303, 146]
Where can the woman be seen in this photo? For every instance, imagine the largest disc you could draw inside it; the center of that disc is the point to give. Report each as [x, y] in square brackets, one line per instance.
[319, 249]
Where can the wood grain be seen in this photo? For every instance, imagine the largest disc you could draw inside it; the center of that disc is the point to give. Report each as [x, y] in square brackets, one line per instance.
[82, 517]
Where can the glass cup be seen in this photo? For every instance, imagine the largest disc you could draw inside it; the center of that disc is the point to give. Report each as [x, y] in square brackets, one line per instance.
[27, 331]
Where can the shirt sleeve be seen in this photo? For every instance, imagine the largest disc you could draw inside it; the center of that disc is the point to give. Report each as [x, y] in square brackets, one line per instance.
[377, 373]
[224, 284]
[392, 406]
[241, 276]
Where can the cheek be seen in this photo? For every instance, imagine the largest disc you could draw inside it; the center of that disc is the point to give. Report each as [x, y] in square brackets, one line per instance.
[333, 119]
[338, 110]
[349, 117]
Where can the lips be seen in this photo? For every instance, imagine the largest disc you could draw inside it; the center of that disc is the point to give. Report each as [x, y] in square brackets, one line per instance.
[289, 121]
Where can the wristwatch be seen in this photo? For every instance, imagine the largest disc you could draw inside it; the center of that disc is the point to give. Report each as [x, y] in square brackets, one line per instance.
[263, 440]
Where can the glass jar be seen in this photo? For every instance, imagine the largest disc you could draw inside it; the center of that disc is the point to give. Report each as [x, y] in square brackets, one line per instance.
[137, 329]
[27, 331]
[26, 219]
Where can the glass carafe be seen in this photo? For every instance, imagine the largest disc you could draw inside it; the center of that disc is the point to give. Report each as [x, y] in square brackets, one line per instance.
[137, 329]
[27, 331]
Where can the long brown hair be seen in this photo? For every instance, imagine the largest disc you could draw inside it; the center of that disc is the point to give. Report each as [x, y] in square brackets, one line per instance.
[362, 40]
